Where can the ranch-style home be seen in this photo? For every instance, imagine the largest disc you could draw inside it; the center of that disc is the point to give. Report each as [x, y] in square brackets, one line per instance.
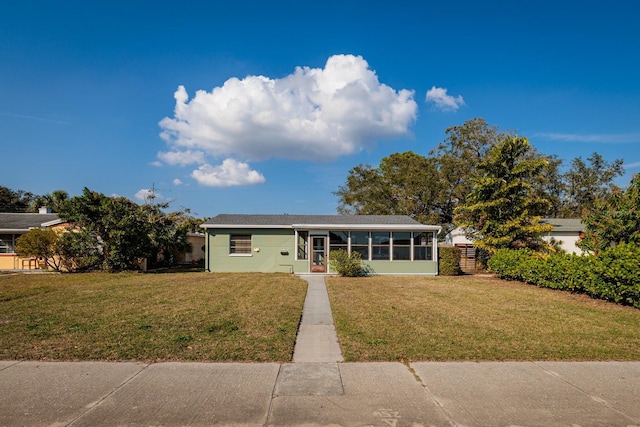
[14, 225]
[301, 244]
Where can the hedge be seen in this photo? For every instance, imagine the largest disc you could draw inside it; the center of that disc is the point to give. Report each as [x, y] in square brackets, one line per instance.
[449, 261]
[612, 275]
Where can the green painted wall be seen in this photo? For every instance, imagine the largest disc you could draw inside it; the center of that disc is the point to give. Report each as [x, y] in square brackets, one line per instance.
[267, 259]
[270, 259]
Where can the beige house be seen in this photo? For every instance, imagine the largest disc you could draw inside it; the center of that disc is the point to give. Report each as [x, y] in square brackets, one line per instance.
[14, 225]
[566, 233]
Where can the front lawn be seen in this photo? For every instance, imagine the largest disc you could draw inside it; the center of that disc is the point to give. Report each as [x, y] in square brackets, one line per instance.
[150, 317]
[470, 318]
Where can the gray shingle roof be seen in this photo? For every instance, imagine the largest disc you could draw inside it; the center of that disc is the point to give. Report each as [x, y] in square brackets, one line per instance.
[24, 221]
[291, 220]
[564, 224]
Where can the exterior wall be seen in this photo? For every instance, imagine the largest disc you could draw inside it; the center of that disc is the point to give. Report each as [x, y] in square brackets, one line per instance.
[568, 241]
[273, 251]
[402, 267]
[568, 238]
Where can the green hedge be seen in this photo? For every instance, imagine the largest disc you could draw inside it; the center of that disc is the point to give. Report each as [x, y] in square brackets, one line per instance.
[449, 261]
[612, 275]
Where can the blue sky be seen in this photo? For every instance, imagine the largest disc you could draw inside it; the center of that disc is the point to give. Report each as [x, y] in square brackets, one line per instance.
[264, 107]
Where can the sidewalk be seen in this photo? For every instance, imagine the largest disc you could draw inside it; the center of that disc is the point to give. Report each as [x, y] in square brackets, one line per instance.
[376, 394]
[317, 389]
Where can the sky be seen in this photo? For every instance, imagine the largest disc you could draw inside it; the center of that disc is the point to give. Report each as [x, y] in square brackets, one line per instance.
[265, 106]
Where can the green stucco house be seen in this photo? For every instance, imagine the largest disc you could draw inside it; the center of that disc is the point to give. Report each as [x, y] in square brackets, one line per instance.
[301, 244]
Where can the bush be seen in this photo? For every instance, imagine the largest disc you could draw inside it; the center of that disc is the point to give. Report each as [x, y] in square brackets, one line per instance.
[346, 265]
[613, 275]
[449, 261]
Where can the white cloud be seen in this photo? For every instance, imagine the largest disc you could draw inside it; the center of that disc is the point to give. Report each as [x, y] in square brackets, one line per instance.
[619, 138]
[177, 182]
[631, 165]
[148, 194]
[313, 114]
[229, 173]
[182, 158]
[442, 100]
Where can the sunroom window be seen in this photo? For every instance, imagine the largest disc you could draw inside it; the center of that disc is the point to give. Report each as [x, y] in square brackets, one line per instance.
[360, 243]
[422, 246]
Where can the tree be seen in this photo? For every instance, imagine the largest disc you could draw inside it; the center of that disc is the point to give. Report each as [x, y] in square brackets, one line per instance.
[403, 184]
[114, 233]
[167, 233]
[41, 243]
[613, 219]
[14, 201]
[112, 228]
[53, 201]
[499, 210]
[457, 159]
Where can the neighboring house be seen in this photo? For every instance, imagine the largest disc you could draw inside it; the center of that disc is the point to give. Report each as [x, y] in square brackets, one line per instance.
[197, 250]
[14, 225]
[566, 232]
[301, 244]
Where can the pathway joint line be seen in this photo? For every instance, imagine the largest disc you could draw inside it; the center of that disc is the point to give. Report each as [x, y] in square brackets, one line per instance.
[597, 399]
[106, 396]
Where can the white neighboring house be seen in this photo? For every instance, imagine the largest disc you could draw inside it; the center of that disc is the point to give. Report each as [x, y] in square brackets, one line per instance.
[566, 231]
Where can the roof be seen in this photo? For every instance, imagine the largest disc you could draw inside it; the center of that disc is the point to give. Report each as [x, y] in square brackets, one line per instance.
[317, 221]
[564, 224]
[22, 222]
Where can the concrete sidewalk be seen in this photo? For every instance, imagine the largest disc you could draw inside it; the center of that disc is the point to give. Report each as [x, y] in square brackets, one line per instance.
[375, 394]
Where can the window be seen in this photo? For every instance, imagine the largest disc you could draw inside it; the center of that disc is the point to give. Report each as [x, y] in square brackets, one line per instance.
[402, 245]
[380, 244]
[6, 243]
[240, 244]
[422, 246]
[338, 240]
[360, 243]
[302, 244]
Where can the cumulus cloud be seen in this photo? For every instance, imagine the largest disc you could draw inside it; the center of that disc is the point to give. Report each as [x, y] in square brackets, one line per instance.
[177, 182]
[442, 100]
[229, 173]
[148, 194]
[314, 114]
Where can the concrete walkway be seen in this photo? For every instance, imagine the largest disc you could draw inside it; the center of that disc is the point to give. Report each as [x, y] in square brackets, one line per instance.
[317, 390]
[317, 340]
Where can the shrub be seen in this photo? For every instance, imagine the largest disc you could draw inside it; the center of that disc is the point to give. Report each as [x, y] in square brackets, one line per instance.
[345, 264]
[613, 275]
[449, 261]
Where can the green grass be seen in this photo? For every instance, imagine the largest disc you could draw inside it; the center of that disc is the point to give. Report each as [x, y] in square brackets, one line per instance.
[150, 317]
[469, 318]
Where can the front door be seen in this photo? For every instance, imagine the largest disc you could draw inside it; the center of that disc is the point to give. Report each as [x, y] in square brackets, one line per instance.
[318, 254]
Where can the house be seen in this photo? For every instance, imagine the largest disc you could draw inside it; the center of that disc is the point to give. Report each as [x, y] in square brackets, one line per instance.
[14, 225]
[196, 255]
[566, 232]
[301, 244]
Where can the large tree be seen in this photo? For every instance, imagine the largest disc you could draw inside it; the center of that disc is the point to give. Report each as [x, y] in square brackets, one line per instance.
[613, 219]
[53, 201]
[114, 233]
[500, 210]
[14, 201]
[403, 184]
[458, 157]
[116, 224]
[584, 183]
